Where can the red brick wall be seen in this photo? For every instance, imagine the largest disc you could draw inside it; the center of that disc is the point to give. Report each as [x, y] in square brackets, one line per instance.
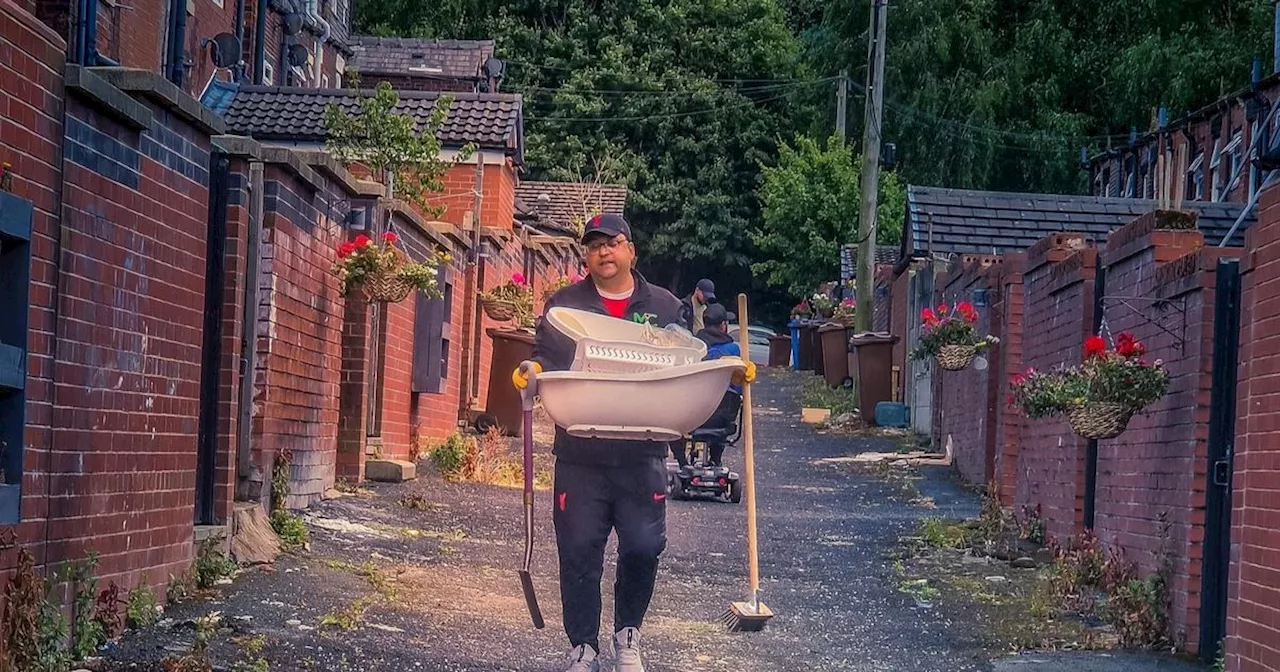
[1151, 479]
[411, 83]
[1253, 639]
[299, 339]
[883, 293]
[31, 140]
[1007, 308]
[899, 325]
[1059, 315]
[232, 308]
[964, 401]
[435, 415]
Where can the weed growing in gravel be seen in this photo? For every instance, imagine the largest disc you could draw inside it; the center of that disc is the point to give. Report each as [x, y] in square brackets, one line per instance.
[817, 394]
[417, 503]
[140, 609]
[349, 617]
[212, 563]
[1091, 579]
[252, 648]
[291, 530]
[484, 459]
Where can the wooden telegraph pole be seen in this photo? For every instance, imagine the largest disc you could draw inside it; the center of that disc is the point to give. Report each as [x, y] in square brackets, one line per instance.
[871, 165]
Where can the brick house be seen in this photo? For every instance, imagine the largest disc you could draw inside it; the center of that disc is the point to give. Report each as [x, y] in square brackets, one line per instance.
[555, 212]
[1181, 490]
[412, 64]
[159, 247]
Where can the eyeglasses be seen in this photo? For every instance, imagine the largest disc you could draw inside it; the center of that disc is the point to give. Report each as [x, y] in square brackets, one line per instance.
[611, 244]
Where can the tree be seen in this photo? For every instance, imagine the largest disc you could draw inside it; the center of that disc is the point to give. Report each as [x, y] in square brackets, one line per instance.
[811, 208]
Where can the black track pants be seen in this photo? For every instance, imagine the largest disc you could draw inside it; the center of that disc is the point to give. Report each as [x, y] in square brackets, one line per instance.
[590, 501]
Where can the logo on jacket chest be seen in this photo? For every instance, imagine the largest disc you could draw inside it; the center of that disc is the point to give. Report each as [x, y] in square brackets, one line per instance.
[645, 318]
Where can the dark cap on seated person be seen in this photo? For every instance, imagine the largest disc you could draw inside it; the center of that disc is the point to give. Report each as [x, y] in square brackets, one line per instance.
[715, 315]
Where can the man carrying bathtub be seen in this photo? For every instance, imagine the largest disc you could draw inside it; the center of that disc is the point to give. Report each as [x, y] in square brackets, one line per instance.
[607, 484]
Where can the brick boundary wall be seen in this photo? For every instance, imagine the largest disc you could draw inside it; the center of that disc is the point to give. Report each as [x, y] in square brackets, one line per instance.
[1253, 625]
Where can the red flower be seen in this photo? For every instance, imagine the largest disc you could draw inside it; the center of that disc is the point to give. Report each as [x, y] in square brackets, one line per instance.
[964, 307]
[345, 249]
[943, 308]
[390, 237]
[363, 241]
[928, 316]
[1094, 346]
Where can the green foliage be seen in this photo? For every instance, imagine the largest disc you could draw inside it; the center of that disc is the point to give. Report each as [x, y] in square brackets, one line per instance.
[212, 564]
[140, 610]
[87, 632]
[1119, 376]
[290, 528]
[817, 394]
[450, 456]
[392, 144]
[811, 200]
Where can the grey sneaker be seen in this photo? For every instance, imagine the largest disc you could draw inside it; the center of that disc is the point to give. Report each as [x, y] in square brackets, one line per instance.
[583, 659]
[626, 648]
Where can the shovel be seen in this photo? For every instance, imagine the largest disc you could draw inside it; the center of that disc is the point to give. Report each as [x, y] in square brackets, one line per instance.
[527, 396]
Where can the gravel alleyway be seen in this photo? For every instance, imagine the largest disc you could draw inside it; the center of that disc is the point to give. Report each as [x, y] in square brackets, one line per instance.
[827, 538]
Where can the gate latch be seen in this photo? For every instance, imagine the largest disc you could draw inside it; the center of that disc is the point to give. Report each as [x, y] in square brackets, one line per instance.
[1222, 472]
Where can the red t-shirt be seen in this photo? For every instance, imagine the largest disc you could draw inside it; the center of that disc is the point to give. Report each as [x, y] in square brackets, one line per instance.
[616, 307]
[615, 304]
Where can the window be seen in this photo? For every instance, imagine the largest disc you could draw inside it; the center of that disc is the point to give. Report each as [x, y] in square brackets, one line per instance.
[15, 263]
[1195, 177]
[1107, 188]
[324, 81]
[268, 74]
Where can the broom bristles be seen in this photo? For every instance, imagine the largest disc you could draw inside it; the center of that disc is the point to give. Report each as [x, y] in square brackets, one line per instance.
[745, 617]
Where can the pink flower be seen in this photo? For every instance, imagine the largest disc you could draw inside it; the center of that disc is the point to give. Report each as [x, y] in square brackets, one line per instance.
[518, 278]
[390, 237]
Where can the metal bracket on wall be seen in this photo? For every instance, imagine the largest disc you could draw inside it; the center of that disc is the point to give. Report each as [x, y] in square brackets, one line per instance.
[1161, 305]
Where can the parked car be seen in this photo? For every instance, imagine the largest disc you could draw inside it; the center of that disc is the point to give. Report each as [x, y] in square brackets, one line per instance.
[758, 339]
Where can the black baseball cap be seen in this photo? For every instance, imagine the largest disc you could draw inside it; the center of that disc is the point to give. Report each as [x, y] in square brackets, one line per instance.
[708, 290]
[608, 225]
[715, 315]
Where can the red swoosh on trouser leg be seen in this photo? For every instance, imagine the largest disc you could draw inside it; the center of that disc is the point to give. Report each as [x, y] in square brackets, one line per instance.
[659, 496]
[562, 498]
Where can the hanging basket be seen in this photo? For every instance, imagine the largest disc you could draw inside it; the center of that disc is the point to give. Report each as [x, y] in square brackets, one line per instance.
[386, 287]
[1100, 420]
[497, 309]
[955, 357]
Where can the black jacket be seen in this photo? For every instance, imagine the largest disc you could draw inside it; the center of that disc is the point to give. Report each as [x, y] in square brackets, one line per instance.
[554, 351]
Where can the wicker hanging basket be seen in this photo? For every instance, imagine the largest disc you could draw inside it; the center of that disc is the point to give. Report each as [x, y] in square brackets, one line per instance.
[956, 357]
[1100, 420]
[386, 287]
[498, 309]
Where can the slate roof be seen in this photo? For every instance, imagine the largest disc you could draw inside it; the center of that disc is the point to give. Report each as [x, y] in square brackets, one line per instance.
[960, 221]
[490, 120]
[459, 59]
[564, 201]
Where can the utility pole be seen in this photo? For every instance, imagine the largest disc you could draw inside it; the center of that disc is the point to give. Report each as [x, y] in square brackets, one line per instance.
[842, 103]
[871, 166]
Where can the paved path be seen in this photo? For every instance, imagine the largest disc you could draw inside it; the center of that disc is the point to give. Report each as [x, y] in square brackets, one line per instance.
[827, 535]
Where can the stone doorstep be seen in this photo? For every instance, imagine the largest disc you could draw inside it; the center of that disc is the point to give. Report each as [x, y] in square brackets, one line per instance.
[390, 471]
[815, 416]
[205, 532]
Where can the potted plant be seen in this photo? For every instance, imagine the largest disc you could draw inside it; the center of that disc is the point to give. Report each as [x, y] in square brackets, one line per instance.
[510, 301]
[949, 335]
[845, 312]
[822, 305]
[1099, 395]
[383, 272]
[559, 284]
[802, 311]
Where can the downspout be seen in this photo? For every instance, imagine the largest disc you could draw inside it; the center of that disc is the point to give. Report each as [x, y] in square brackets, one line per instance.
[177, 70]
[260, 42]
[239, 68]
[471, 300]
[313, 10]
[245, 476]
[87, 36]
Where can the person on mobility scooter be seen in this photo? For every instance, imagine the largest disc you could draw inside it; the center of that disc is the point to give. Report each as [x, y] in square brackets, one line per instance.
[700, 466]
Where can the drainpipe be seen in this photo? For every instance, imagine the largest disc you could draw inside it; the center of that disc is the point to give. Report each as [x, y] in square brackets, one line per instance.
[245, 472]
[260, 41]
[177, 70]
[313, 10]
[239, 67]
[1275, 33]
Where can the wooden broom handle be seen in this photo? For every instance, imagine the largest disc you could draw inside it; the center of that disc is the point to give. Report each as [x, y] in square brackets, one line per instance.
[748, 451]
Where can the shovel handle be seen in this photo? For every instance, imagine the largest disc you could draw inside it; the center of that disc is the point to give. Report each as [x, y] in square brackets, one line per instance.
[748, 453]
[530, 391]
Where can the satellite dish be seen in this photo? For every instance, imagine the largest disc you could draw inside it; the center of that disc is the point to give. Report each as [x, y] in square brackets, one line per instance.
[292, 24]
[225, 51]
[980, 363]
[298, 55]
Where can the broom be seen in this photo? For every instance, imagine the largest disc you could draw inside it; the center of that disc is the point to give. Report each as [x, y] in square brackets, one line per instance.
[748, 616]
[526, 578]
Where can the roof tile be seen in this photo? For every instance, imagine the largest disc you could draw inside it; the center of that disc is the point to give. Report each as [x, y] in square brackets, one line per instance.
[409, 56]
[558, 205]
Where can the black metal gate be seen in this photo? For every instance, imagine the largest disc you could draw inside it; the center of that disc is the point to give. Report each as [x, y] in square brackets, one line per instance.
[214, 289]
[1222, 435]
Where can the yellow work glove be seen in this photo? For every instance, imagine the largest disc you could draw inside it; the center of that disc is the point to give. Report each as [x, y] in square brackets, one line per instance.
[747, 376]
[520, 380]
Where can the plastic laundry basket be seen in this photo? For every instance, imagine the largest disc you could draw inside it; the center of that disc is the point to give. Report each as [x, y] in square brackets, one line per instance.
[609, 345]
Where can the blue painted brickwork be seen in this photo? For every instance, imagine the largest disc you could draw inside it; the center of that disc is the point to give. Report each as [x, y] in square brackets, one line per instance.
[237, 189]
[279, 198]
[85, 145]
[171, 150]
